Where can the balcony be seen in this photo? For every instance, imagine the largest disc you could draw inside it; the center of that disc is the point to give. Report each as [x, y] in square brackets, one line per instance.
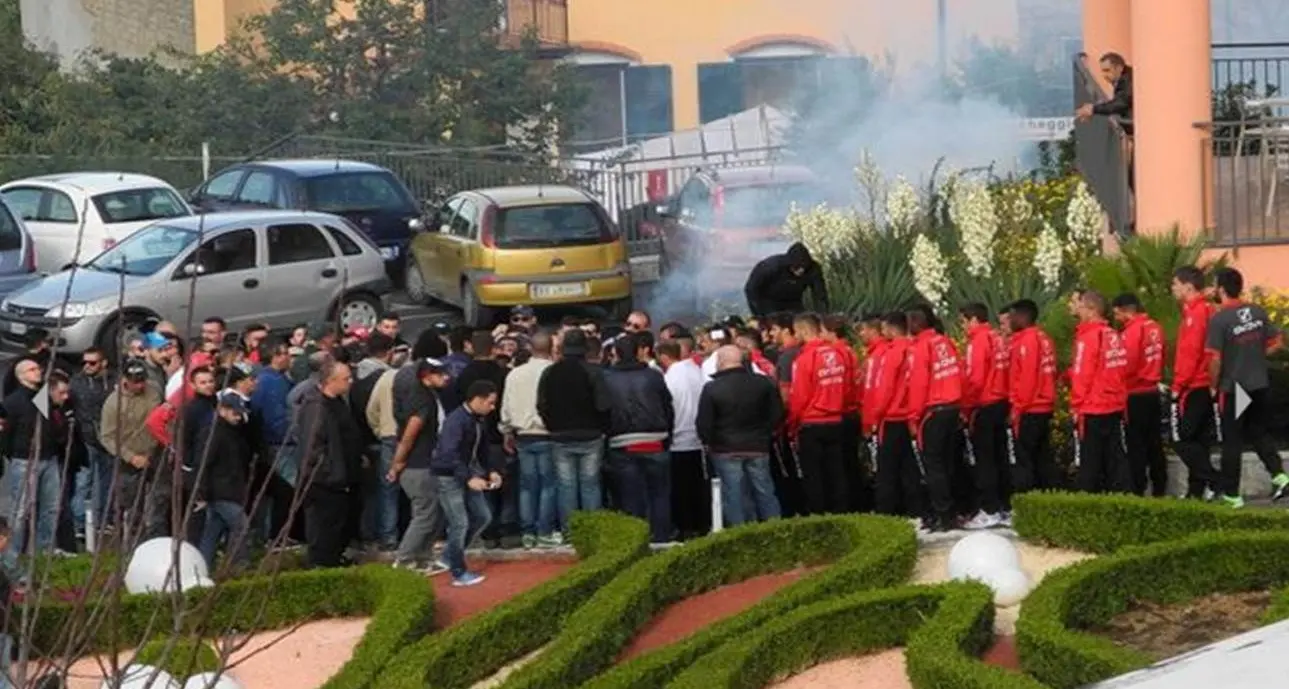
[545, 20]
[1247, 181]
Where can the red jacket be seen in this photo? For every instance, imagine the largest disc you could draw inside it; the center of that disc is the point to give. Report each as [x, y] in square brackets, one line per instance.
[1032, 372]
[1190, 361]
[1144, 341]
[935, 374]
[820, 384]
[985, 380]
[868, 382]
[854, 391]
[160, 418]
[890, 396]
[1098, 372]
[762, 364]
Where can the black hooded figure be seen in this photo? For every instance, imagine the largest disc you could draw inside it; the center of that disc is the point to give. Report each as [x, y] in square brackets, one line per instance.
[779, 282]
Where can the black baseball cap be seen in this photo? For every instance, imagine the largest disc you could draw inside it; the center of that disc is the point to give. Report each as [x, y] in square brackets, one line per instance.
[134, 371]
[428, 365]
[522, 310]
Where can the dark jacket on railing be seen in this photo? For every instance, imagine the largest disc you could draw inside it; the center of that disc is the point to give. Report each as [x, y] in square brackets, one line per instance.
[1120, 103]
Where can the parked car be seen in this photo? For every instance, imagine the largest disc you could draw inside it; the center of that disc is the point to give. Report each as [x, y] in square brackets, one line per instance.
[537, 245]
[267, 266]
[371, 197]
[76, 215]
[17, 252]
[724, 221]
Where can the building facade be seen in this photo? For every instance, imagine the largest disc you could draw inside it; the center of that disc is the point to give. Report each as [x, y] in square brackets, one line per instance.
[133, 28]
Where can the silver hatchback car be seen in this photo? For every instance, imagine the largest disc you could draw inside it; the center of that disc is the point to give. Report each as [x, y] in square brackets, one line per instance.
[265, 266]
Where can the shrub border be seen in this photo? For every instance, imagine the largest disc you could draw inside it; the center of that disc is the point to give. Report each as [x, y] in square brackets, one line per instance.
[608, 621]
[1054, 650]
[477, 648]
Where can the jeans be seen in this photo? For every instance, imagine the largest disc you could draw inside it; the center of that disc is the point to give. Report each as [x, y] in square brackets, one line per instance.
[423, 492]
[577, 468]
[224, 518]
[467, 514]
[99, 475]
[739, 473]
[380, 502]
[536, 487]
[644, 485]
[46, 480]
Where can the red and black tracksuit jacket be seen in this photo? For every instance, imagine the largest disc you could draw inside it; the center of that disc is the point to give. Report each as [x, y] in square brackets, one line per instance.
[985, 381]
[887, 401]
[1031, 373]
[821, 385]
[1143, 340]
[1098, 374]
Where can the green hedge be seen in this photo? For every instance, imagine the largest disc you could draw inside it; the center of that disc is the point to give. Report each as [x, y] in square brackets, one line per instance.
[882, 553]
[182, 658]
[1106, 523]
[1055, 651]
[475, 649]
[609, 620]
[936, 623]
[400, 603]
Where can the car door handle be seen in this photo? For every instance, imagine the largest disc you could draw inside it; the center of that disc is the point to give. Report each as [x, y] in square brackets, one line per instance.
[250, 283]
[329, 272]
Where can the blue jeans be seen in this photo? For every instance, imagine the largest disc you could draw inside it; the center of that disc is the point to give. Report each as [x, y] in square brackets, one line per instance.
[380, 497]
[739, 474]
[467, 514]
[45, 479]
[577, 468]
[99, 475]
[536, 486]
[224, 518]
[643, 481]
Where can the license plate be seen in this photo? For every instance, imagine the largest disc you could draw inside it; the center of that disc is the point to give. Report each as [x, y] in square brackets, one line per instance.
[558, 290]
[18, 328]
[389, 252]
[645, 269]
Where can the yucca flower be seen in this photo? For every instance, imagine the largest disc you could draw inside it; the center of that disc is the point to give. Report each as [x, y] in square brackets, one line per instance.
[930, 271]
[1084, 218]
[827, 232]
[903, 207]
[971, 208]
[1048, 256]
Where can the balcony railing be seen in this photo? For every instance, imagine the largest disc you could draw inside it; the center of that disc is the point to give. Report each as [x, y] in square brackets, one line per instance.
[546, 19]
[1246, 168]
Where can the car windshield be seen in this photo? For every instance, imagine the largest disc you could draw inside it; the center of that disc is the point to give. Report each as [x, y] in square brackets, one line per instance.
[565, 224]
[139, 205]
[10, 234]
[145, 252]
[355, 192]
[766, 205]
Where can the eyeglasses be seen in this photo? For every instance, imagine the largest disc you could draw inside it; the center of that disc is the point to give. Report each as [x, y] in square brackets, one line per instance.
[91, 362]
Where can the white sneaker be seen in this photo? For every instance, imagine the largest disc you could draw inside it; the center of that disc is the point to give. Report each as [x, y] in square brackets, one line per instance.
[983, 520]
[1209, 495]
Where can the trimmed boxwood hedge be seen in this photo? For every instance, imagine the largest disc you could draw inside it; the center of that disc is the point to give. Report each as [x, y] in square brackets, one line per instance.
[182, 658]
[602, 627]
[937, 623]
[1055, 651]
[476, 648]
[882, 553]
[1105, 523]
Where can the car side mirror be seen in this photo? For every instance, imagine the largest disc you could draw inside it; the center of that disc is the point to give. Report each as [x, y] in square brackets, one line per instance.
[192, 270]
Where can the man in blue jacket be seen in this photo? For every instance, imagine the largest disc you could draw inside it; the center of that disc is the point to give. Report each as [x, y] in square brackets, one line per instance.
[461, 466]
[269, 403]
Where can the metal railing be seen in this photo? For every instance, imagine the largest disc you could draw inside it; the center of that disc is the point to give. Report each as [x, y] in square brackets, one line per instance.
[1102, 151]
[1246, 168]
[548, 19]
[1261, 64]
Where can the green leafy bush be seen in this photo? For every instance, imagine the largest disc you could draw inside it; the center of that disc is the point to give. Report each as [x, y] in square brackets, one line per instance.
[1054, 649]
[608, 621]
[1107, 523]
[182, 658]
[476, 648]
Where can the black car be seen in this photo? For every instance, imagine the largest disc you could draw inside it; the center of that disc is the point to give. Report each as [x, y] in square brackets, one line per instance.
[369, 196]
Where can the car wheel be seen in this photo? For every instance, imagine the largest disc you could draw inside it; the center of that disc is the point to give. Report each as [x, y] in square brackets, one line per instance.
[414, 283]
[120, 330]
[358, 311]
[474, 314]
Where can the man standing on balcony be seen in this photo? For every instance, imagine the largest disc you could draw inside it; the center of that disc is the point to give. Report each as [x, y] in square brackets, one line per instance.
[1117, 71]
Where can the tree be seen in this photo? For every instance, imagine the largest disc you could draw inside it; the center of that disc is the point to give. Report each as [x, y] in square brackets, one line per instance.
[1017, 80]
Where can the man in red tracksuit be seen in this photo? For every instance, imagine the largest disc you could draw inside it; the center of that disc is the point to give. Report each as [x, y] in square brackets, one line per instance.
[935, 413]
[821, 386]
[984, 410]
[1098, 397]
[1192, 408]
[897, 488]
[1032, 395]
[1143, 339]
[835, 332]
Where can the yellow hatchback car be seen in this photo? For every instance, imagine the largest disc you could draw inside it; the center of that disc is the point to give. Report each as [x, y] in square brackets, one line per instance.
[540, 245]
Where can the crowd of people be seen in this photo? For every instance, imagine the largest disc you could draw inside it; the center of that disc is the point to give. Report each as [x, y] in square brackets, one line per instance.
[357, 439]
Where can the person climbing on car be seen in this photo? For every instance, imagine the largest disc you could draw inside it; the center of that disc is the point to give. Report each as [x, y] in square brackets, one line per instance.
[779, 283]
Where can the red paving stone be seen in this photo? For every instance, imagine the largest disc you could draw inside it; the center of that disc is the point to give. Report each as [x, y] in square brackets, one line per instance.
[681, 619]
[1003, 653]
[505, 581]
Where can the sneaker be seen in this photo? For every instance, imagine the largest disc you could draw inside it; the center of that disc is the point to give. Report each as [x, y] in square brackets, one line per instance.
[1235, 502]
[435, 567]
[1281, 483]
[983, 520]
[555, 540]
[468, 579]
[1209, 495]
[529, 541]
[404, 564]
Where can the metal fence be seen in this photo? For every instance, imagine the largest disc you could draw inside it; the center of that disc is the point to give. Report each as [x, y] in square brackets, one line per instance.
[1246, 167]
[1264, 65]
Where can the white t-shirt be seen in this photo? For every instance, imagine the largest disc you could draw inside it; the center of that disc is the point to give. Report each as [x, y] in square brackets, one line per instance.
[685, 381]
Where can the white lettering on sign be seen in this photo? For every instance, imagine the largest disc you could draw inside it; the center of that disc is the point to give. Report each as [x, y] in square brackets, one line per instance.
[1046, 128]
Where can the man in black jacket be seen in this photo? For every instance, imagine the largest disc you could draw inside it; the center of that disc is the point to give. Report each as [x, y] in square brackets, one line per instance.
[222, 481]
[331, 447]
[779, 283]
[738, 413]
[90, 388]
[37, 436]
[1117, 71]
[641, 419]
[505, 502]
[574, 405]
